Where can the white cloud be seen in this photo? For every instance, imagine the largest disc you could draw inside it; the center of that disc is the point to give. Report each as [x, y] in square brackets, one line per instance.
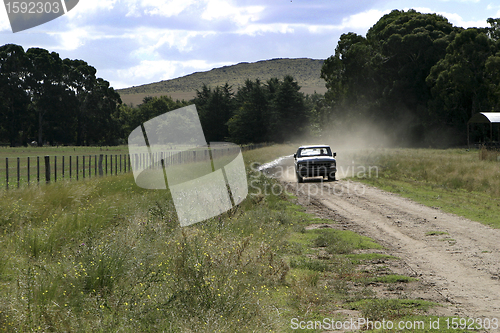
[475, 1]
[167, 8]
[364, 20]
[460, 22]
[359, 22]
[454, 18]
[4, 20]
[257, 29]
[150, 40]
[223, 9]
[72, 39]
[85, 7]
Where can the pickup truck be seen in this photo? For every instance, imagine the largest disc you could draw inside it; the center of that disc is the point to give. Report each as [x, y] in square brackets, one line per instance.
[315, 161]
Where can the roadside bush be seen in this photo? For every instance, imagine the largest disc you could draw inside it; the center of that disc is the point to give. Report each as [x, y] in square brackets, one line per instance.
[333, 242]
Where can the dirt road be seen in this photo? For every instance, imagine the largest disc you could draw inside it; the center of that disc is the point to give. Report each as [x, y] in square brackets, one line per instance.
[454, 257]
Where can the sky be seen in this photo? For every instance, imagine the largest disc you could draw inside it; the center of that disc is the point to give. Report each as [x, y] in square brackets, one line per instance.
[135, 42]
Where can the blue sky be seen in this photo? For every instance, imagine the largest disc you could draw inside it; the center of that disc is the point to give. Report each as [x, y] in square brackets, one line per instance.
[134, 42]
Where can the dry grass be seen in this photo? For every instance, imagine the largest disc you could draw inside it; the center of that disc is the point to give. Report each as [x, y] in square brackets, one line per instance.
[103, 255]
[489, 155]
[305, 71]
[449, 169]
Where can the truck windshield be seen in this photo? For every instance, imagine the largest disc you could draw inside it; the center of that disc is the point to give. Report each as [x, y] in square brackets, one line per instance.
[314, 152]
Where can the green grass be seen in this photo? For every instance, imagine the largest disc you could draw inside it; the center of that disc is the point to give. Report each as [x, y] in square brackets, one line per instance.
[456, 180]
[104, 255]
[390, 309]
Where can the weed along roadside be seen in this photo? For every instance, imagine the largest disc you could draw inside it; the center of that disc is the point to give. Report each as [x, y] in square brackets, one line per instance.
[105, 255]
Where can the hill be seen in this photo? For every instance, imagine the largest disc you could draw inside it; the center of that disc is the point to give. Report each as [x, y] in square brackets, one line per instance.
[305, 71]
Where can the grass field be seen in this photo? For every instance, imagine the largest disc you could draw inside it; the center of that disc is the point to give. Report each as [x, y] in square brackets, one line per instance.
[102, 255]
[460, 181]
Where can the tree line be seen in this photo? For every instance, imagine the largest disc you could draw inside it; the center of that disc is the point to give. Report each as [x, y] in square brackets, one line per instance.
[271, 111]
[44, 98]
[415, 74]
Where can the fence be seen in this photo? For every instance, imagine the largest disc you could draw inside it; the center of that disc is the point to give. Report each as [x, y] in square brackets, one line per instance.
[34, 170]
[16, 172]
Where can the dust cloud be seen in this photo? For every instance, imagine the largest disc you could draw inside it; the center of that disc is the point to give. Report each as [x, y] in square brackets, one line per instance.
[350, 141]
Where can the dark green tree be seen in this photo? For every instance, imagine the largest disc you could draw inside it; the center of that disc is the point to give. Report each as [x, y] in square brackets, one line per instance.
[383, 77]
[459, 82]
[410, 44]
[215, 108]
[288, 116]
[102, 114]
[127, 118]
[14, 96]
[249, 121]
[350, 77]
[45, 84]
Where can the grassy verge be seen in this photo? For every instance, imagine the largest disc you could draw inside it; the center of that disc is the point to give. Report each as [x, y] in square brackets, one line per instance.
[103, 255]
[456, 180]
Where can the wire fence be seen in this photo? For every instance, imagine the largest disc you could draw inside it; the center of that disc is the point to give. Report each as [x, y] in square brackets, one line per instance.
[16, 172]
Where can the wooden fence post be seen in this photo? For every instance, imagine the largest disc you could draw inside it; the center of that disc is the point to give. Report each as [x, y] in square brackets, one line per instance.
[101, 172]
[38, 169]
[70, 166]
[18, 171]
[7, 173]
[47, 169]
[28, 170]
[55, 169]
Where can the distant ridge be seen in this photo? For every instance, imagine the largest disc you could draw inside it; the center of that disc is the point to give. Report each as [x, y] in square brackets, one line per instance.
[306, 71]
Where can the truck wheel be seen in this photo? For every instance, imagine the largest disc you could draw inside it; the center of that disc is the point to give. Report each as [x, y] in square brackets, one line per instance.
[331, 177]
[300, 179]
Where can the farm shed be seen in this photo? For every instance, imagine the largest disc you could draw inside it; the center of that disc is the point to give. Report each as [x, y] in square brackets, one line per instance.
[484, 118]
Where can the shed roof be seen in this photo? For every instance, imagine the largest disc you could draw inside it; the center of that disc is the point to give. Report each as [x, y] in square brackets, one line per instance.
[485, 117]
